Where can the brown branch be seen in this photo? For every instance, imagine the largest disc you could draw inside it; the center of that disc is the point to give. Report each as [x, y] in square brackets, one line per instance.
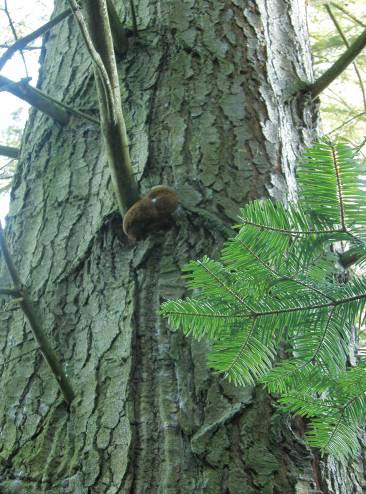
[9, 151]
[345, 41]
[22, 42]
[96, 32]
[35, 324]
[338, 67]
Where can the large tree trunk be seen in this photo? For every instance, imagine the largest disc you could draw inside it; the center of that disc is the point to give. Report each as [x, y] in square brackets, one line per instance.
[208, 96]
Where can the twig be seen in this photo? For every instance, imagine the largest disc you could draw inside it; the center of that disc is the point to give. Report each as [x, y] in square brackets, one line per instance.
[43, 102]
[338, 67]
[9, 151]
[22, 42]
[355, 117]
[119, 33]
[134, 19]
[35, 98]
[35, 324]
[69, 109]
[9, 291]
[339, 29]
[13, 30]
[2, 364]
[26, 48]
[98, 39]
[351, 16]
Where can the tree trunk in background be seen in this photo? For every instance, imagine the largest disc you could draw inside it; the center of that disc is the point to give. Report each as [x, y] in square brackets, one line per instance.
[207, 94]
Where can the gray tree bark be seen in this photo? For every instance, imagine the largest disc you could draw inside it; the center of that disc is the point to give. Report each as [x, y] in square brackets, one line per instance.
[208, 96]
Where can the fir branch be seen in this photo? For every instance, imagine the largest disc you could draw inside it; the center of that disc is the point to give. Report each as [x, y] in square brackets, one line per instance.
[292, 233]
[241, 349]
[284, 276]
[223, 285]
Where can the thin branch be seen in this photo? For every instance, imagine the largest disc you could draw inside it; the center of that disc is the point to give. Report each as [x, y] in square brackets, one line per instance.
[355, 117]
[43, 102]
[26, 48]
[35, 98]
[2, 364]
[284, 276]
[9, 151]
[69, 109]
[119, 32]
[233, 293]
[22, 42]
[294, 233]
[13, 30]
[35, 324]
[274, 312]
[339, 190]
[345, 41]
[134, 18]
[242, 348]
[348, 14]
[9, 291]
[339, 66]
[98, 39]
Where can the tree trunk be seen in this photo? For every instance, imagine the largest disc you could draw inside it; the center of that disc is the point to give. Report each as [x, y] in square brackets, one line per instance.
[208, 97]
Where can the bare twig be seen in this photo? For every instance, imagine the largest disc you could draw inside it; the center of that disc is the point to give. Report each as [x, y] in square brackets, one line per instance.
[355, 117]
[18, 357]
[13, 30]
[35, 324]
[339, 29]
[9, 291]
[26, 48]
[119, 33]
[22, 42]
[35, 98]
[134, 18]
[9, 152]
[348, 14]
[338, 67]
[43, 102]
[98, 39]
[69, 109]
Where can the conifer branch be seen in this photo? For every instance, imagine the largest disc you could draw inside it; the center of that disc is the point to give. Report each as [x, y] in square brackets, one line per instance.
[312, 312]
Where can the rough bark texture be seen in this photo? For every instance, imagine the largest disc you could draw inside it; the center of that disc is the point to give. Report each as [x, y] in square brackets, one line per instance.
[207, 93]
